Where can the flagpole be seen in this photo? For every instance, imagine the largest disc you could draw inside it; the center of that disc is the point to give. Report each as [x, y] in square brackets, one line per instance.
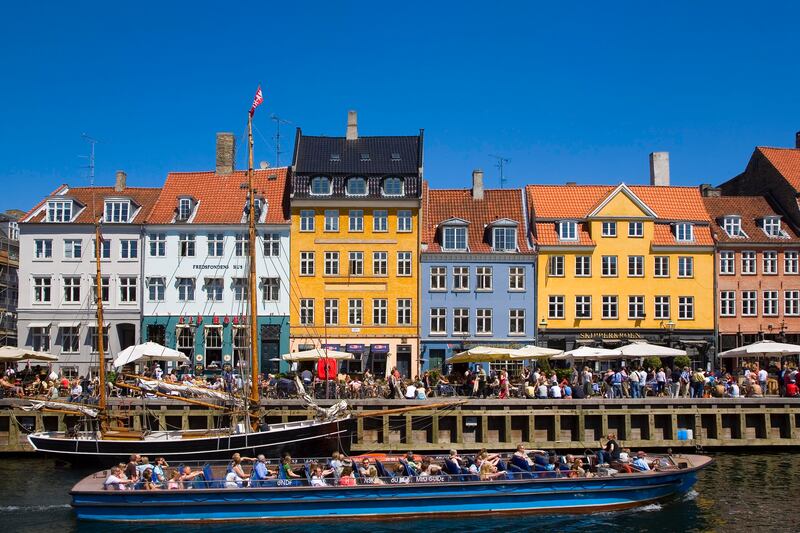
[98, 247]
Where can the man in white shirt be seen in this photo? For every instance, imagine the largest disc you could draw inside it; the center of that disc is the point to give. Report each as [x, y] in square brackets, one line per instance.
[555, 391]
[640, 463]
[734, 390]
[411, 392]
[762, 380]
[542, 391]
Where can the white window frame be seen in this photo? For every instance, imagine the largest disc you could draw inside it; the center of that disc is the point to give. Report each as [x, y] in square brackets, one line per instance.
[186, 289]
[380, 263]
[355, 221]
[106, 280]
[42, 289]
[307, 263]
[156, 289]
[608, 228]
[555, 267]
[355, 263]
[404, 311]
[117, 211]
[483, 322]
[351, 181]
[59, 211]
[393, 179]
[128, 249]
[662, 307]
[461, 321]
[42, 249]
[727, 303]
[271, 289]
[732, 226]
[460, 279]
[380, 220]
[71, 289]
[331, 264]
[355, 311]
[555, 307]
[685, 307]
[184, 208]
[380, 311]
[128, 289]
[306, 311]
[769, 263]
[484, 279]
[685, 266]
[583, 266]
[215, 289]
[790, 262]
[215, 244]
[791, 302]
[636, 309]
[331, 311]
[307, 220]
[405, 221]
[610, 303]
[568, 230]
[749, 303]
[438, 279]
[453, 237]
[609, 266]
[157, 244]
[504, 239]
[771, 303]
[749, 262]
[438, 321]
[186, 245]
[404, 267]
[727, 263]
[318, 180]
[661, 266]
[635, 266]
[684, 232]
[583, 307]
[516, 279]
[73, 249]
[40, 339]
[516, 322]
[272, 244]
[772, 226]
[331, 217]
[636, 229]
[70, 339]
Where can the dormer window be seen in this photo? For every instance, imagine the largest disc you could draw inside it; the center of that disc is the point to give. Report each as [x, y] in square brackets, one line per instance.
[117, 210]
[356, 187]
[504, 239]
[395, 156]
[365, 156]
[335, 158]
[568, 230]
[454, 238]
[321, 186]
[393, 187]
[733, 226]
[59, 211]
[684, 232]
[772, 227]
[185, 206]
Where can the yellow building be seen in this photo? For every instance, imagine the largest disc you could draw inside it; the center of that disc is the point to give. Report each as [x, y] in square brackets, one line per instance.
[623, 263]
[355, 248]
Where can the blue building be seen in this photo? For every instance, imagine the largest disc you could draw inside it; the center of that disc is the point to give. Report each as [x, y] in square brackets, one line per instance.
[478, 276]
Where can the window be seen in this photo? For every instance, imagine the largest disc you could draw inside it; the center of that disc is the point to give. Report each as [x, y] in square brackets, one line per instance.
[583, 307]
[355, 311]
[380, 310]
[685, 307]
[661, 266]
[70, 340]
[215, 244]
[73, 249]
[186, 244]
[749, 303]
[72, 289]
[555, 307]
[128, 249]
[41, 289]
[59, 211]
[636, 229]
[241, 289]
[128, 289]
[380, 220]
[484, 279]
[356, 263]
[241, 346]
[404, 224]
[306, 263]
[272, 245]
[43, 248]
[583, 266]
[685, 267]
[556, 266]
[438, 278]
[438, 319]
[356, 220]
[727, 264]
[790, 262]
[184, 208]
[610, 307]
[13, 231]
[214, 289]
[242, 245]
[185, 289]
[516, 322]
[380, 263]
[155, 289]
[307, 220]
[365, 156]
[105, 250]
[461, 278]
[270, 289]
[331, 263]
[213, 344]
[609, 265]
[106, 292]
[635, 307]
[158, 244]
[320, 185]
[684, 232]
[356, 187]
[393, 187]
[662, 308]
[484, 322]
[461, 321]
[117, 210]
[770, 303]
[516, 279]
[504, 239]
[609, 229]
[568, 230]
[455, 239]
[727, 303]
[40, 339]
[93, 338]
[770, 262]
[331, 220]
[772, 226]
[331, 312]
[403, 263]
[306, 311]
[635, 266]
[185, 341]
[791, 303]
[404, 312]
[748, 262]
[733, 226]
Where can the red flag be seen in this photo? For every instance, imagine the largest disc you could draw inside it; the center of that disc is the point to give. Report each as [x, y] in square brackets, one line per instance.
[257, 100]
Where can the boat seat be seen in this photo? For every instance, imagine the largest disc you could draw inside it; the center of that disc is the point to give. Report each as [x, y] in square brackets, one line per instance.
[408, 469]
[382, 472]
[210, 482]
[520, 463]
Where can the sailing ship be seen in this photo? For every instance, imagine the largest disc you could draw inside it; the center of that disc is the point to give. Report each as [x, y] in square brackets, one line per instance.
[97, 437]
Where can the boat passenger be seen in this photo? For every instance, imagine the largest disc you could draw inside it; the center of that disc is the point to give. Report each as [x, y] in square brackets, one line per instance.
[158, 470]
[640, 463]
[260, 472]
[318, 476]
[577, 469]
[286, 465]
[132, 468]
[489, 472]
[116, 480]
[336, 463]
[363, 470]
[347, 479]
[144, 464]
[174, 482]
[372, 476]
[147, 480]
[523, 454]
[188, 475]
[410, 460]
[492, 458]
[610, 451]
[427, 468]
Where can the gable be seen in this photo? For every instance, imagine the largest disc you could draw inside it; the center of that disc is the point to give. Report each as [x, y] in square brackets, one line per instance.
[622, 203]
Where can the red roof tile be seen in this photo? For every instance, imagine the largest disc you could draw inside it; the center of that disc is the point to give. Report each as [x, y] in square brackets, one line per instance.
[751, 209]
[547, 235]
[93, 197]
[665, 236]
[786, 161]
[221, 198]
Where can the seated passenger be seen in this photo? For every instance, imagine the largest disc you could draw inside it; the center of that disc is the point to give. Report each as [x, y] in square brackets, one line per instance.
[640, 463]
[577, 469]
[188, 475]
[372, 476]
[234, 475]
[147, 480]
[522, 453]
[347, 479]
[318, 477]
[116, 480]
[143, 465]
[286, 465]
[363, 470]
[336, 463]
[429, 469]
[489, 472]
[174, 482]
[159, 476]
[411, 461]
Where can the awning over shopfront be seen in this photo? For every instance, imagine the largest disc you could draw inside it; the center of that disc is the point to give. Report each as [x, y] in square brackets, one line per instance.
[39, 324]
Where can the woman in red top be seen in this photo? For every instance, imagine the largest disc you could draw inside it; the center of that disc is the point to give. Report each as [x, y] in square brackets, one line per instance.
[503, 385]
[347, 479]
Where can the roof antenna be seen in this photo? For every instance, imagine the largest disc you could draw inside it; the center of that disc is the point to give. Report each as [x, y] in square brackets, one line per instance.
[92, 142]
[501, 162]
[278, 121]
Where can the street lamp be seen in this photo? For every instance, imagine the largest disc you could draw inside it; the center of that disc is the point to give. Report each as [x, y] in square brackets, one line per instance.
[670, 327]
[542, 329]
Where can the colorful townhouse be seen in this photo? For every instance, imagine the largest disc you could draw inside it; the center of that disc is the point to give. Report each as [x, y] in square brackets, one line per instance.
[758, 272]
[616, 264]
[196, 257]
[58, 275]
[355, 247]
[478, 271]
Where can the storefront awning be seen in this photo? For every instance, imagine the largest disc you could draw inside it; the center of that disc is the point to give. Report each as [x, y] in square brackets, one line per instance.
[354, 348]
[70, 324]
[207, 326]
[331, 346]
[39, 324]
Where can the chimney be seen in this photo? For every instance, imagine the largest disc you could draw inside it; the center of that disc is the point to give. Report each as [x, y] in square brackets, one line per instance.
[797, 140]
[119, 186]
[709, 191]
[659, 168]
[477, 184]
[226, 152]
[352, 125]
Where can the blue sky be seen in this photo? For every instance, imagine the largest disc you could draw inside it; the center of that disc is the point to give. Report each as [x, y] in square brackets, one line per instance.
[568, 91]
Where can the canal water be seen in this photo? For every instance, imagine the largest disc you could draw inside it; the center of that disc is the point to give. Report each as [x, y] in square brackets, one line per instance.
[738, 493]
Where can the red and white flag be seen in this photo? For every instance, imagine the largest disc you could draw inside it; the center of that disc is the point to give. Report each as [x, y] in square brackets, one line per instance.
[257, 100]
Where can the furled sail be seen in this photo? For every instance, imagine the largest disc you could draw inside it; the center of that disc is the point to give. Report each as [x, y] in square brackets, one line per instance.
[188, 390]
[39, 405]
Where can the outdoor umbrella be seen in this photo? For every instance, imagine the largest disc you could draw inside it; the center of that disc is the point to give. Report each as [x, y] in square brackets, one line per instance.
[532, 352]
[762, 348]
[484, 354]
[148, 351]
[12, 353]
[590, 353]
[317, 353]
[644, 349]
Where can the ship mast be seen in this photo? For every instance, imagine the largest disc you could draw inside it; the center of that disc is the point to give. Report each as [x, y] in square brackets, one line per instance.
[254, 395]
[99, 301]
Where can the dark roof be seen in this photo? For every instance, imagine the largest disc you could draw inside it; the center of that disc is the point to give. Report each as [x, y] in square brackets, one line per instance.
[313, 155]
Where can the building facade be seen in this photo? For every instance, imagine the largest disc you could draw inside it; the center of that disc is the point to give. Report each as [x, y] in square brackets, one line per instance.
[355, 247]
[57, 274]
[477, 271]
[9, 279]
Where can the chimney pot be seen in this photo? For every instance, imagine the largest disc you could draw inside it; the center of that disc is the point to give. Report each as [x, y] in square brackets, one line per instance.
[572, 183]
[477, 184]
[352, 125]
[121, 182]
[264, 165]
[709, 191]
[659, 168]
[226, 152]
[797, 140]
